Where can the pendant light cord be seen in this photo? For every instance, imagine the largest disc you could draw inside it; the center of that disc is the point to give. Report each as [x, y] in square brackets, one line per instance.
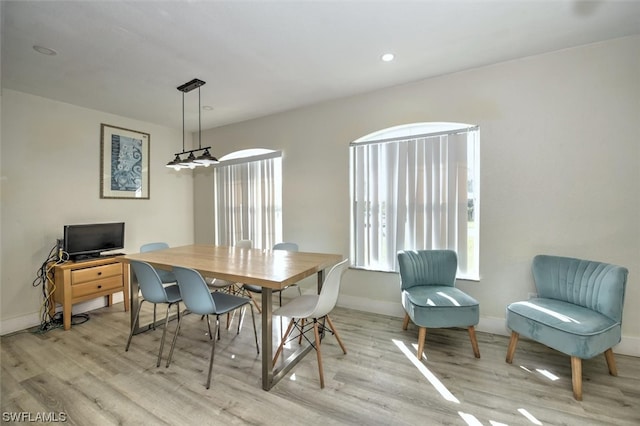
[183, 120]
[204, 158]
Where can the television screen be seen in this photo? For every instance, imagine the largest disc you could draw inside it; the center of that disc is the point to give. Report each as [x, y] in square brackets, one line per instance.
[89, 240]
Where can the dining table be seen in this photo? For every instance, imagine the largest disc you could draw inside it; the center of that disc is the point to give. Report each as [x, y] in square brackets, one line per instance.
[269, 269]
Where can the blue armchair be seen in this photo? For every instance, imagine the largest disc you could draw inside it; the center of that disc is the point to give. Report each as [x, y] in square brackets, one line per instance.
[577, 311]
[430, 298]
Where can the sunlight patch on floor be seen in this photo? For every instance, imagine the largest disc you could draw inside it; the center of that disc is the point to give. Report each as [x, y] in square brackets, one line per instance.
[435, 382]
[529, 416]
[470, 419]
[548, 374]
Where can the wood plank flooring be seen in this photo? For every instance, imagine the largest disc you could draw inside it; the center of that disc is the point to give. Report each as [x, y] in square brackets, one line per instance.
[86, 374]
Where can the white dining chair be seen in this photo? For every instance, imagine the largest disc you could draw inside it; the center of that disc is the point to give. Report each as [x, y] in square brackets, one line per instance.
[311, 312]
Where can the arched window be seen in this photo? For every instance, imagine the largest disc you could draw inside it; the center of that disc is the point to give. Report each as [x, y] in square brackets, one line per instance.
[248, 198]
[416, 186]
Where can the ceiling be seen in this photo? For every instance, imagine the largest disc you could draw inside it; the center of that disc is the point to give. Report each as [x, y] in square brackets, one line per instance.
[262, 57]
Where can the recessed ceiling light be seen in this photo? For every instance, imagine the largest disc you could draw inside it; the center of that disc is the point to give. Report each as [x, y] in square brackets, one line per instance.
[45, 50]
[387, 57]
[207, 107]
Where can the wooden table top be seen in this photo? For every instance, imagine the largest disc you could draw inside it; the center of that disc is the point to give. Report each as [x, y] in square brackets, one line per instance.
[275, 269]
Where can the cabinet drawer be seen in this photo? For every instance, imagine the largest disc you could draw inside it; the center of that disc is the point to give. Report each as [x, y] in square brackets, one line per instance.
[95, 273]
[96, 286]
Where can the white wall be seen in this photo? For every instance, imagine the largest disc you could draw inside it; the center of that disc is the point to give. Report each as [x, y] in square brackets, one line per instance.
[560, 169]
[50, 174]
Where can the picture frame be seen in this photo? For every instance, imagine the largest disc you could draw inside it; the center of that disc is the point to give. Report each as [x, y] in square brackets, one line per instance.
[124, 163]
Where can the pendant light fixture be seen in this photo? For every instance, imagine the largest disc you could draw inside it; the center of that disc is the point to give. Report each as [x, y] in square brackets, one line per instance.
[191, 161]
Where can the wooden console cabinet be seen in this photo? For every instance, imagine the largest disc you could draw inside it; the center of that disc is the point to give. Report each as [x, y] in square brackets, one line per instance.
[79, 281]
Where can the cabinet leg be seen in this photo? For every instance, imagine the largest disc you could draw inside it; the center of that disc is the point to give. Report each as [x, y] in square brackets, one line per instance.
[66, 318]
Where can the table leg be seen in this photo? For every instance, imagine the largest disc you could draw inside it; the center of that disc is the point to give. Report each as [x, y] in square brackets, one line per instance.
[320, 280]
[267, 339]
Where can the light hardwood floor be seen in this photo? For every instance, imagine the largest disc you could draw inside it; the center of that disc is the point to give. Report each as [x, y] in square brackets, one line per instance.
[86, 374]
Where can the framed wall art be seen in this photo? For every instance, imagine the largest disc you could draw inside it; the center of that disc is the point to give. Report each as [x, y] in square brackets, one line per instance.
[124, 163]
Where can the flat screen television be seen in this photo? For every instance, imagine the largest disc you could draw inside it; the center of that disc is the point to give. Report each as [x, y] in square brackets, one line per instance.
[88, 241]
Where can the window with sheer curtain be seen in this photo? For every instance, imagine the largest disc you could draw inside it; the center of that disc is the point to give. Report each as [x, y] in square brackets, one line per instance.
[415, 187]
[248, 198]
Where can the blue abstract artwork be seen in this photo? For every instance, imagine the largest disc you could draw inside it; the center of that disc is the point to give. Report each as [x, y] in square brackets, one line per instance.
[126, 163]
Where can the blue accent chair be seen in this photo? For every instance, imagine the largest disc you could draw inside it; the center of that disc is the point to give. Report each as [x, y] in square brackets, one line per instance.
[430, 298]
[577, 311]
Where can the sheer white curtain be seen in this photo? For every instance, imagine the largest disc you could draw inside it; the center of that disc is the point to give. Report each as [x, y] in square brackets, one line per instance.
[411, 193]
[248, 199]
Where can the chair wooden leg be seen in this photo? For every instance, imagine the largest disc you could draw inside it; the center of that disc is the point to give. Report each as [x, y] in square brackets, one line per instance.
[241, 319]
[576, 377]
[318, 353]
[229, 320]
[301, 328]
[405, 323]
[513, 342]
[422, 335]
[255, 302]
[474, 342]
[286, 334]
[611, 362]
[335, 333]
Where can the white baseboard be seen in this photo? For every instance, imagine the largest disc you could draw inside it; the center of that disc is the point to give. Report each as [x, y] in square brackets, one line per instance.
[628, 346]
[24, 322]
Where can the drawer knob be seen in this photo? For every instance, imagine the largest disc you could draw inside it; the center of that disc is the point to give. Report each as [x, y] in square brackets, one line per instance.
[99, 273]
[99, 286]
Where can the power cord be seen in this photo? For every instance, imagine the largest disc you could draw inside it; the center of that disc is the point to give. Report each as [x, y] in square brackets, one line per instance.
[45, 277]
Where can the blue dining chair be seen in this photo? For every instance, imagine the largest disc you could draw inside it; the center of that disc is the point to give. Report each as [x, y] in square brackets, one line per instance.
[199, 299]
[165, 276]
[225, 285]
[250, 288]
[430, 298]
[218, 284]
[153, 291]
